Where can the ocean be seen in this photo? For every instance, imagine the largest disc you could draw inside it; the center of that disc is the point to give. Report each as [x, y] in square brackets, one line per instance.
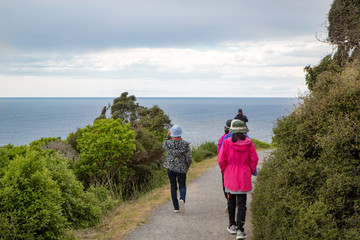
[23, 120]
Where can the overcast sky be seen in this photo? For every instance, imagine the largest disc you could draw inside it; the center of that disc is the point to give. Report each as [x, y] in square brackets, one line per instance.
[159, 48]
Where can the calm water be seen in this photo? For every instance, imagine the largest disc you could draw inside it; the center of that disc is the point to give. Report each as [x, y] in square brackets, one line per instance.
[23, 120]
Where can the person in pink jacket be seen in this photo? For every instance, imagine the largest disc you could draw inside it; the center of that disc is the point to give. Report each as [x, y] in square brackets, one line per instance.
[237, 161]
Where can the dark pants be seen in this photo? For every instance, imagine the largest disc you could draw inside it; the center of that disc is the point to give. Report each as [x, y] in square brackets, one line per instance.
[240, 201]
[181, 179]
[226, 195]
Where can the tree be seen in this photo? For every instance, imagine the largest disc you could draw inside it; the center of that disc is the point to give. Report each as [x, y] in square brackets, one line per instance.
[150, 126]
[327, 64]
[344, 28]
[126, 108]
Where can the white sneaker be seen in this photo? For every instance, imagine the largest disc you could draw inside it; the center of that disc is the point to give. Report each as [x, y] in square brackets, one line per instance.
[182, 206]
[240, 235]
[232, 229]
[176, 211]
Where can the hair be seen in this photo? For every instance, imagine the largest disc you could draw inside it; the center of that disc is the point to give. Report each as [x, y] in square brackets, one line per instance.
[237, 135]
[226, 131]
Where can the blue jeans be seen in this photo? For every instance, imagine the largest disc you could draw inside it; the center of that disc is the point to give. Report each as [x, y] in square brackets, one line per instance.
[181, 178]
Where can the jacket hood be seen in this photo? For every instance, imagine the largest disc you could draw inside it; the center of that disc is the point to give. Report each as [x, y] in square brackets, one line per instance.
[240, 145]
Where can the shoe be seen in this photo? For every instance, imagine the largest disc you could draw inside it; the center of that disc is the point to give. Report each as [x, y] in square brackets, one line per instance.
[182, 206]
[232, 229]
[176, 211]
[240, 235]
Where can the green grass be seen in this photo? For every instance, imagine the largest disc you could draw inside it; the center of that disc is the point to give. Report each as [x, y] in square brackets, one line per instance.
[259, 145]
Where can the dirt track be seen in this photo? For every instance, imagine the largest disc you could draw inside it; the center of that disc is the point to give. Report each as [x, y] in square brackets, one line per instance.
[204, 217]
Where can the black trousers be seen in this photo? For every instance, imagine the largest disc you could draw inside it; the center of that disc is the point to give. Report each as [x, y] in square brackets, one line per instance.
[226, 195]
[238, 200]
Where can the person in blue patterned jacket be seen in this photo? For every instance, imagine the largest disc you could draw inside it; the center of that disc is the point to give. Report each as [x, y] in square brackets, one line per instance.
[177, 162]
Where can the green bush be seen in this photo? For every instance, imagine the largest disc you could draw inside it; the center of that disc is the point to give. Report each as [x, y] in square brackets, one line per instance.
[204, 151]
[261, 145]
[81, 209]
[106, 148]
[8, 153]
[61, 147]
[30, 200]
[150, 126]
[310, 187]
[75, 208]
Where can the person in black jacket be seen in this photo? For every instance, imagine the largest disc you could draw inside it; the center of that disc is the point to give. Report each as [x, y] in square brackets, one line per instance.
[177, 162]
[241, 116]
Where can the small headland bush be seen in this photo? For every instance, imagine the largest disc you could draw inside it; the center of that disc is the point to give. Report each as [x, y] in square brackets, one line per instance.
[204, 151]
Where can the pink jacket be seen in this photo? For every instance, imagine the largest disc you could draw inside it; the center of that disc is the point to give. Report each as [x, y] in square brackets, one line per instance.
[220, 142]
[237, 161]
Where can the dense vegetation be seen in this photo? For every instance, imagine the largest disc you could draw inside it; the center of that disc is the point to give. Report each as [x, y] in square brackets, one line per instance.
[54, 184]
[310, 187]
[40, 195]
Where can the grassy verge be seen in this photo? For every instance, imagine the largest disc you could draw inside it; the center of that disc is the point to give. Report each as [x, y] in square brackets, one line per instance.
[125, 218]
[259, 145]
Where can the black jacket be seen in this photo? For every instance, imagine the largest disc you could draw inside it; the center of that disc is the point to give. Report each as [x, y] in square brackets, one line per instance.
[241, 117]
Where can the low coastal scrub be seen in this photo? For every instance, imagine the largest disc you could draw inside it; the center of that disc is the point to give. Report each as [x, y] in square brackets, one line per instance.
[205, 150]
[259, 145]
[310, 187]
[55, 184]
[40, 195]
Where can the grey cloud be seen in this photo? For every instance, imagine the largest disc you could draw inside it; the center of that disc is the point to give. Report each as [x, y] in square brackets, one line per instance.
[80, 25]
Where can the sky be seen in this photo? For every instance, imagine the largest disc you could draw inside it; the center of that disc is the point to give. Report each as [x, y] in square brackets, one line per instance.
[160, 48]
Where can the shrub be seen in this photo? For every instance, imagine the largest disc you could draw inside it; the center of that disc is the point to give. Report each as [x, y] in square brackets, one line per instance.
[310, 187]
[261, 145]
[81, 209]
[204, 151]
[77, 208]
[8, 153]
[30, 200]
[150, 126]
[71, 139]
[106, 148]
[43, 141]
[61, 147]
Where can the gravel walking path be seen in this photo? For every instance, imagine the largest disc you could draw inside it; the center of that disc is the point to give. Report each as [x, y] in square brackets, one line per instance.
[204, 218]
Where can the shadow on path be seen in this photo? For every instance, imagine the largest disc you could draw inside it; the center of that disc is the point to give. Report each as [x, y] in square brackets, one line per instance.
[204, 218]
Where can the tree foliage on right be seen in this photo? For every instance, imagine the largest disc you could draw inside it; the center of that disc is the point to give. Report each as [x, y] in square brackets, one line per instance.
[310, 187]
